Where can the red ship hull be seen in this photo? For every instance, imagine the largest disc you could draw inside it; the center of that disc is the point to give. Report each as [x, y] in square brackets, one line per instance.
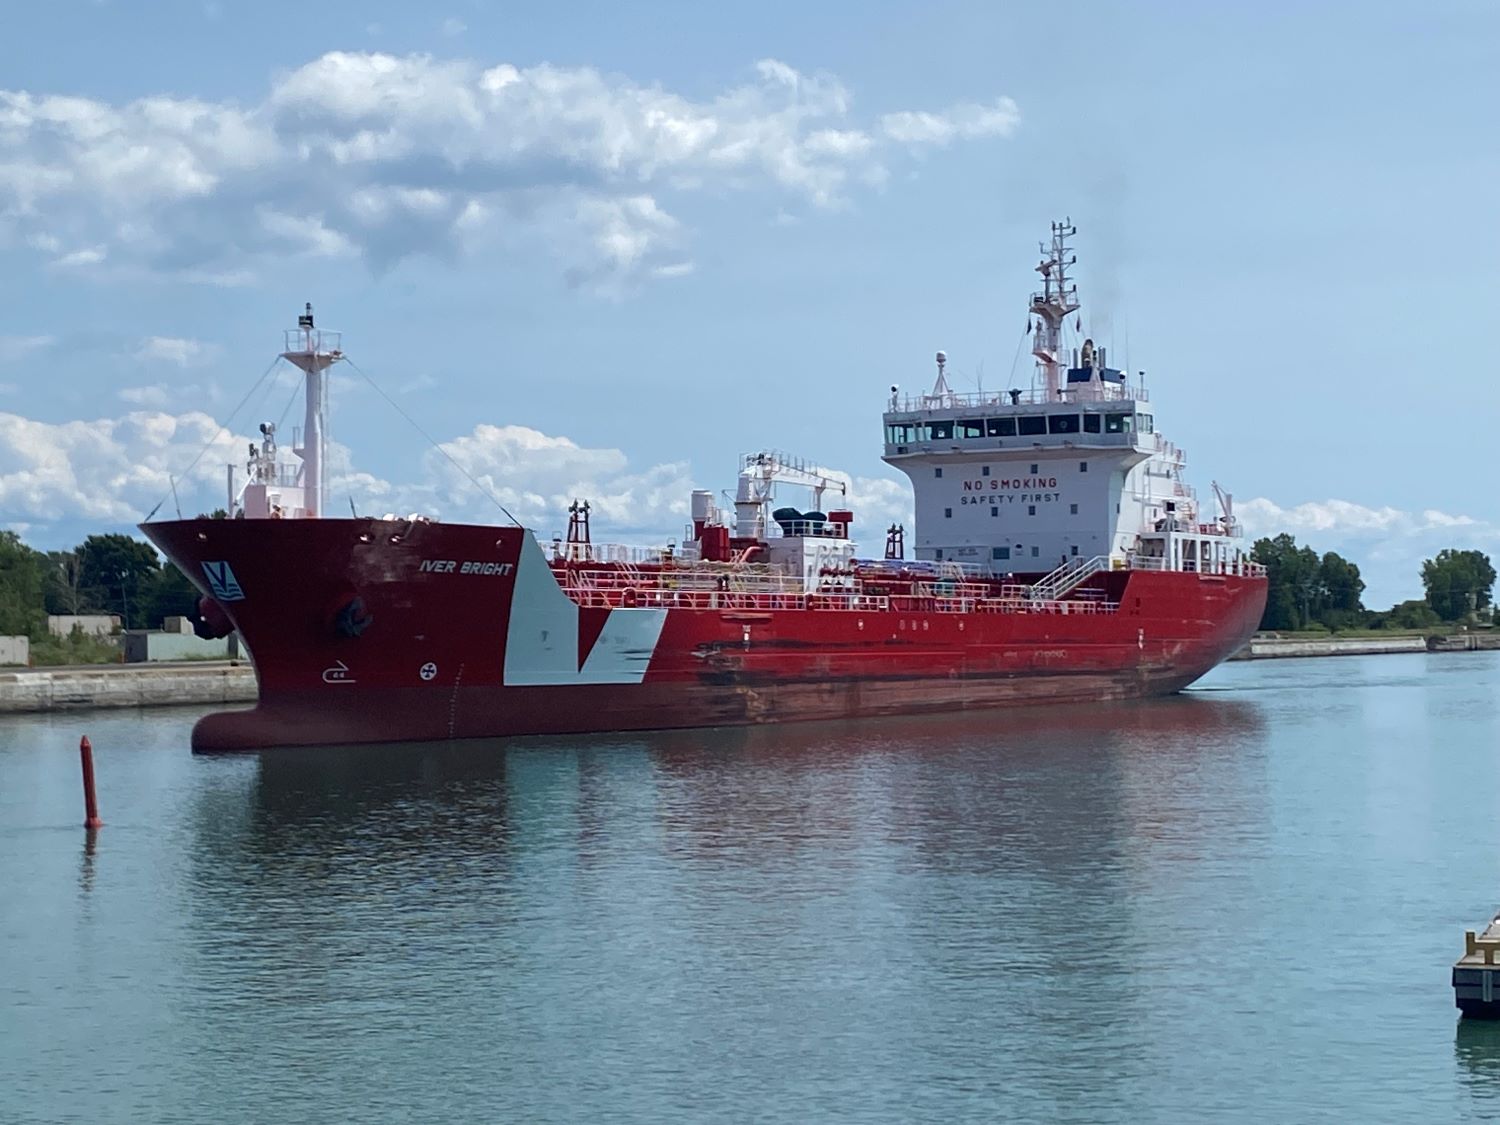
[377, 631]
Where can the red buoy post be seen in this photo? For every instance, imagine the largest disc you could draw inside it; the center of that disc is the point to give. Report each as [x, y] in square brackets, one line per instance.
[90, 801]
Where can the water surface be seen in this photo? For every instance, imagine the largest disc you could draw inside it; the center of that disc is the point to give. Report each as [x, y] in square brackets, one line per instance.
[1239, 904]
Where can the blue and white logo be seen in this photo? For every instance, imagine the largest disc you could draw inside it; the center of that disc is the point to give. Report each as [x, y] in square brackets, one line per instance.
[222, 582]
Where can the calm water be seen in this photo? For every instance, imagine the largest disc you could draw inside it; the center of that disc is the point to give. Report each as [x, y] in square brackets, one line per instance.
[1236, 905]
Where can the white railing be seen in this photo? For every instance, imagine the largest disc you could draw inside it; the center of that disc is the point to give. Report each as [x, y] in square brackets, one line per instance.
[1068, 577]
[1239, 568]
[1077, 439]
[300, 340]
[811, 529]
[278, 475]
[1030, 396]
[621, 554]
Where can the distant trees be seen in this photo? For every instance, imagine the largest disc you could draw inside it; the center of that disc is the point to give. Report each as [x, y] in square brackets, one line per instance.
[64, 593]
[103, 574]
[114, 573]
[1414, 614]
[1458, 583]
[1305, 589]
[21, 583]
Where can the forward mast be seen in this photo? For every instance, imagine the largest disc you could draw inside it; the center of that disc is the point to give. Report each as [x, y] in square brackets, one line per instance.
[273, 488]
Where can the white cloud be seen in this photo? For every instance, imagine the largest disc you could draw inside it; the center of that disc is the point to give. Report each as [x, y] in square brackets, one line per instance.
[453, 26]
[383, 156]
[536, 476]
[172, 349]
[423, 382]
[1388, 544]
[154, 396]
[114, 470]
[107, 469]
[89, 256]
[966, 121]
[1344, 518]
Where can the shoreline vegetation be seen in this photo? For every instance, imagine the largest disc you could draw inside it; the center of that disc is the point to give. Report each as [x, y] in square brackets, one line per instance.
[1311, 594]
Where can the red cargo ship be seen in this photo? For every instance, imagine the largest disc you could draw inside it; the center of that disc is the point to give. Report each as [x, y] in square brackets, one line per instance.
[1059, 559]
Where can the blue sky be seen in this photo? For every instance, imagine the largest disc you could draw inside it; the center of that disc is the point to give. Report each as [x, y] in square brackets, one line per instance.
[601, 249]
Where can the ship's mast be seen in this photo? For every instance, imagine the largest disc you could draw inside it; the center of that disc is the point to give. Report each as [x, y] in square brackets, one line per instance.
[1052, 305]
[313, 351]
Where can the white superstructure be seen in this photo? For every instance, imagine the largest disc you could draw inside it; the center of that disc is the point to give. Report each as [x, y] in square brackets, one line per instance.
[274, 489]
[1067, 473]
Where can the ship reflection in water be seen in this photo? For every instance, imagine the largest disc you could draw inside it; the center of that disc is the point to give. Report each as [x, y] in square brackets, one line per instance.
[762, 904]
[1028, 775]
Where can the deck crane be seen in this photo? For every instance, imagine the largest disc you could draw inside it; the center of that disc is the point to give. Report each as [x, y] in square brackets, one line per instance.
[761, 472]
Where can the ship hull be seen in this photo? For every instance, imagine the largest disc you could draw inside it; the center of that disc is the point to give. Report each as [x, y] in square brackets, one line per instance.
[380, 631]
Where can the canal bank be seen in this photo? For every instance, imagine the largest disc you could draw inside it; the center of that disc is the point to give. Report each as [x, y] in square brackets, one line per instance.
[1275, 647]
[36, 690]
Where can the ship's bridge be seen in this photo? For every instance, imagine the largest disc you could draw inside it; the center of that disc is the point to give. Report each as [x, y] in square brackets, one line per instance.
[1068, 474]
[1027, 480]
[926, 424]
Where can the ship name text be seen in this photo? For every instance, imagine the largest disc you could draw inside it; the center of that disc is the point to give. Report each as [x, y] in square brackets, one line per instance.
[470, 566]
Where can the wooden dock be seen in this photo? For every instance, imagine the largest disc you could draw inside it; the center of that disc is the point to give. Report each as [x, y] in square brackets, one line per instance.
[1476, 975]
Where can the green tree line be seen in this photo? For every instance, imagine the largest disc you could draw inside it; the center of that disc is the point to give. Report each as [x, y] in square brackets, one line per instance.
[1311, 591]
[104, 574]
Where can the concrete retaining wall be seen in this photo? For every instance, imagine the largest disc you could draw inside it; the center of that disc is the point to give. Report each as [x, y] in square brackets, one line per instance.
[92, 624]
[15, 650]
[143, 646]
[1464, 642]
[125, 686]
[1261, 649]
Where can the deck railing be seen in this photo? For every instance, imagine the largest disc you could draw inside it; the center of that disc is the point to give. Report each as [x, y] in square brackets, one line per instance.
[1074, 394]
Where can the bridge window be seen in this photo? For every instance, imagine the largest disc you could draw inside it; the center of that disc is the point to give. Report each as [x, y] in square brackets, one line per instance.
[1062, 423]
[1147, 424]
[942, 431]
[971, 428]
[1118, 423]
[1033, 424]
[1000, 427]
[900, 433]
[1091, 423]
